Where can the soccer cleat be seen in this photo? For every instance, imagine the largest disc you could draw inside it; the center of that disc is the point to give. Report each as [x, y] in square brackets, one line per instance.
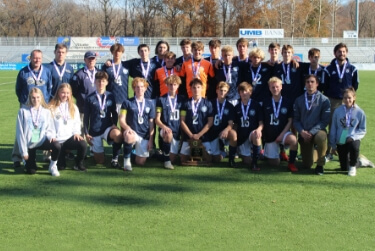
[168, 165]
[319, 170]
[329, 157]
[114, 163]
[232, 164]
[80, 167]
[53, 170]
[128, 168]
[352, 171]
[254, 167]
[284, 156]
[292, 167]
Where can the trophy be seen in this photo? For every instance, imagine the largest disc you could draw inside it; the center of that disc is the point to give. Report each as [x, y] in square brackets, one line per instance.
[198, 154]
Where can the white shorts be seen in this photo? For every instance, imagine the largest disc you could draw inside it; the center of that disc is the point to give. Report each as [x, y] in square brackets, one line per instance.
[174, 144]
[245, 148]
[141, 146]
[97, 141]
[215, 147]
[185, 148]
[272, 149]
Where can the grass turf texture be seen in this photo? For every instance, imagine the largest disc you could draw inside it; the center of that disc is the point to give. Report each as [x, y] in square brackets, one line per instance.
[214, 208]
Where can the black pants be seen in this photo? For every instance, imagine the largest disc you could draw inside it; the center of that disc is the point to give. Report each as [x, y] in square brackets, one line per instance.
[47, 145]
[71, 144]
[348, 152]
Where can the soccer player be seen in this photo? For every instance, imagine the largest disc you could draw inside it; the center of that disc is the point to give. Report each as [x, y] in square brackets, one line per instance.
[214, 46]
[242, 45]
[83, 82]
[118, 75]
[249, 125]
[311, 117]
[160, 49]
[196, 120]
[165, 71]
[289, 75]
[222, 128]
[228, 71]
[62, 72]
[137, 121]
[277, 121]
[314, 68]
[341, 74]
[258, 74]
[168, 119]
[197, 67]
[274, 50]
[185, 45]
[100, 119]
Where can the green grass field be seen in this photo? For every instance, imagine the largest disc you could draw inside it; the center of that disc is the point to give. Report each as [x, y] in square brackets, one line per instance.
[190, 208]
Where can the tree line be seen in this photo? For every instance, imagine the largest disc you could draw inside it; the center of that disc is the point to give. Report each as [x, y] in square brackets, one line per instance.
[183, 18]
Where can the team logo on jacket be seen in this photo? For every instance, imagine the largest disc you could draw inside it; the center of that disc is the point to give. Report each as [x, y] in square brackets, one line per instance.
[284, 110]
[204, 108]
[226, 111]
[109, 102]
[147, 109]
[252, 112]
[347, 71]
[125, 71]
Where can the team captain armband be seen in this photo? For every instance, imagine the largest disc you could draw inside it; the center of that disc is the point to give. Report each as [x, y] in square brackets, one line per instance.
[159, 109]
[123, 111]
[183, 113]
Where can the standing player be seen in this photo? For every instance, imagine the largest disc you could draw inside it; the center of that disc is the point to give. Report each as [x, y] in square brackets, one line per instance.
[311, 117]
[161, 48]
[214, 46]
[83, 82]
[277, 121]
[258, 74]
[274, 50]
[100, 121]
[228, 72]
[137, 121]
[340, 75]
[168, 119]
[185, 45]
[242, 45]
[249, 125]
[33, 75]
[118, 76]
[62, 72]
[196, 120]
[314, 68]
[222, 128]
[165, 71]
[289, 75]
[197, 67]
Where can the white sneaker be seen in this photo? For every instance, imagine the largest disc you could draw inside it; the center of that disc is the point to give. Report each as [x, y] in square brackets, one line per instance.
[127, 165]
[53, 170]
[352, 171]
[168, 165]
[329, 157]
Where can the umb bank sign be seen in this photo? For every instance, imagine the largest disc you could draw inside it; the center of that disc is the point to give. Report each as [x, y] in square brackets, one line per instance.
[261, 33]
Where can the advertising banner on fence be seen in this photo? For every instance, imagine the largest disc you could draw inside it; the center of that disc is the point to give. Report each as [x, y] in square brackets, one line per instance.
[261, 33]
[96, 43]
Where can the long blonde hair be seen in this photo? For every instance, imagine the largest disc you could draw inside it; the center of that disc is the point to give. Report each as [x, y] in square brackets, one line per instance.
[55, 102]
[42, 100]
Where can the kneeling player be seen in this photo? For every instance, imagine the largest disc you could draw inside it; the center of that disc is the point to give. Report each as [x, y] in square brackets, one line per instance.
[137, 120]
[278, 116]
[168, 119]
[249, 126]
[222, 128]
[196, 120]
[100, 119]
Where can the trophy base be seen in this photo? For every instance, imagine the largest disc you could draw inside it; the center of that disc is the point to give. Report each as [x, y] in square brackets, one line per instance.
[195, 163]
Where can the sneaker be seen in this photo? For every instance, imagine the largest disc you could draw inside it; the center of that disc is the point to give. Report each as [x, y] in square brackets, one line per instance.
[114, 164]
[53, 170]
[80, 168]
[254, 167]
[329, 157]
[284, 156]
[232, 164]
[168, 165]
[352, 171]
[128, 168]
[319, 170]
[292, 167]
[69, 156]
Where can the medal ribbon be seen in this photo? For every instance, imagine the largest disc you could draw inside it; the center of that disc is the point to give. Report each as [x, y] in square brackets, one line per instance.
[228, 75]
[166, 71]
[91, 75]
[35, 118]
[140, 109]
[101, 103]
[61, 74]
[276, 111]
[220, 112]
[64, 111]
[341, 74]
[116, 73]
[195, 108]
[348, 116]
[145, 71]
[39, 75]
[312, 101]
[195, 69]
[173, 106]
[255, 77]
[244, 114]
[314, 71]
[286, 71]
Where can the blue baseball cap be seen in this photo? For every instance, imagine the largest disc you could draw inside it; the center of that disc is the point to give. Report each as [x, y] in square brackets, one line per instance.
[90, 54]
